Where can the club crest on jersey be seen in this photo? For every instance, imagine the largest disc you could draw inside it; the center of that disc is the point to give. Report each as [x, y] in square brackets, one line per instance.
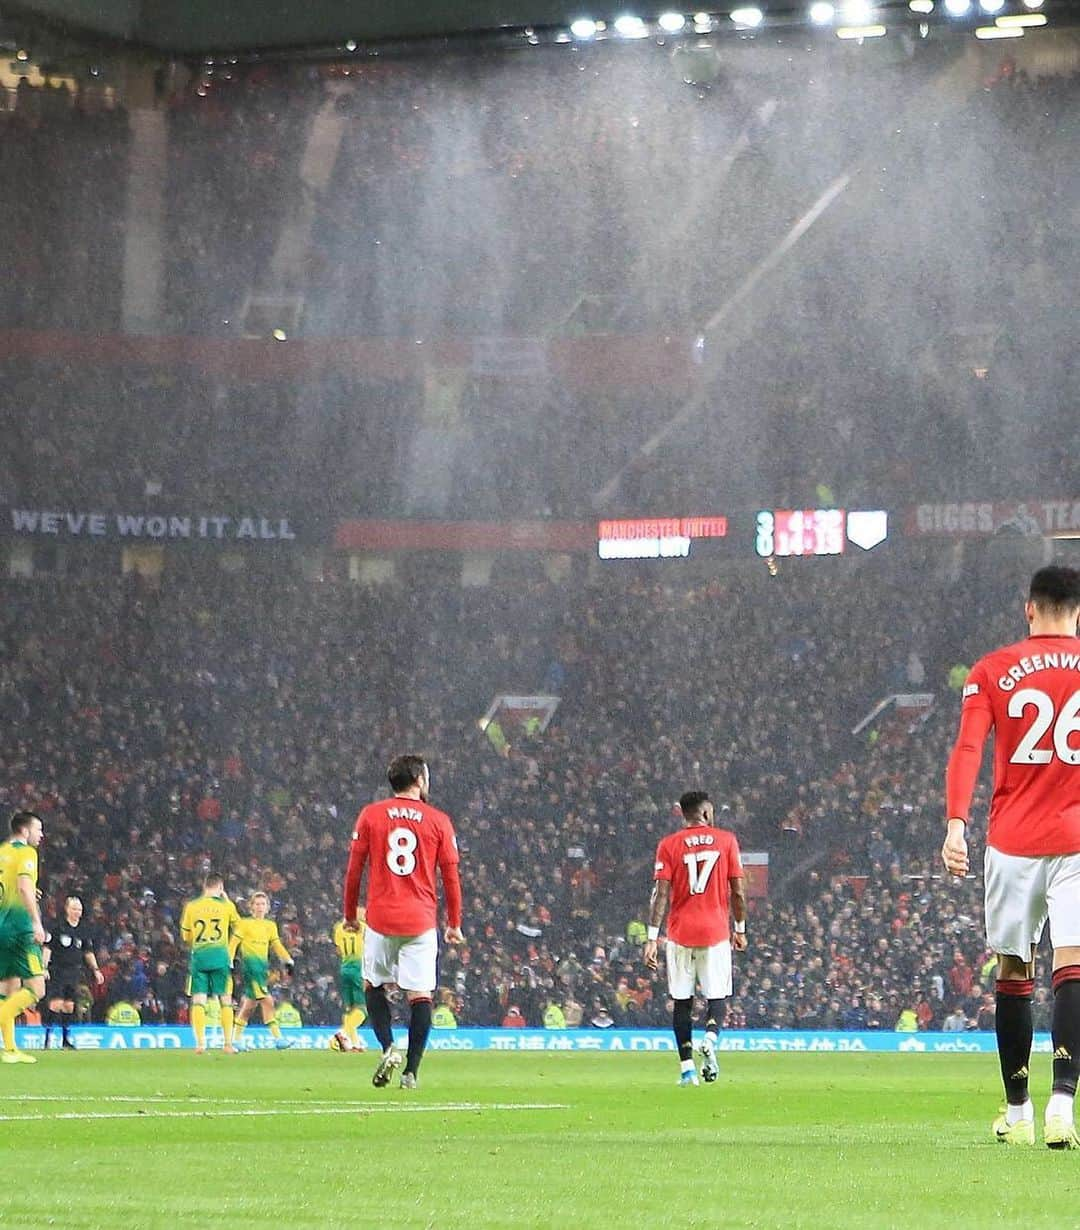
[970, 689]
[405, 813]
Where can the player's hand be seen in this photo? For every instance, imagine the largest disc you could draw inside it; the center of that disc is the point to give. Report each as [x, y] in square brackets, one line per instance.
[954, 853]
[99, 977]
[351, 924]
[454, 935]
[39, 933]
[738, 941]
[649, 955]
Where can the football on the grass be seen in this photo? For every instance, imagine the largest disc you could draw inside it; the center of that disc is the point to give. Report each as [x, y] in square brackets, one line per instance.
[339, 1042]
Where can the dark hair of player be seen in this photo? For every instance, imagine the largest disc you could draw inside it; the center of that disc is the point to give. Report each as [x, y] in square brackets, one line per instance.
[405, 771]
[21, 821]
[1056, 589]
[691, 803]
[212, 880]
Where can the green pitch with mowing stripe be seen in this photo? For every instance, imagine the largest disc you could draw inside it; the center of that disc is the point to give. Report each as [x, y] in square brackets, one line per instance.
[301, 1139]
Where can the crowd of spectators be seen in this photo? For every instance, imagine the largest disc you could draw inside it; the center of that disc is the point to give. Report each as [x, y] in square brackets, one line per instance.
[239, 722]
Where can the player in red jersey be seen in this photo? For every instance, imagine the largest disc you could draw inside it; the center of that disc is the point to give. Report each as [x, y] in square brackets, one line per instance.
[699, 874]
[403, 840]
[1028, 694]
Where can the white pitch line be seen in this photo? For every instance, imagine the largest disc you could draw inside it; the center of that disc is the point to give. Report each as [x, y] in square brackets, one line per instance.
[360, 1109]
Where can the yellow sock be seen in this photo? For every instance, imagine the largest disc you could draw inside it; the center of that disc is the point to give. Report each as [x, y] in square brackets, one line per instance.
[227, 1023]
[198, 1023]
[238, 1029]
[274, 1027]
[351, 1022]
[12, 1008]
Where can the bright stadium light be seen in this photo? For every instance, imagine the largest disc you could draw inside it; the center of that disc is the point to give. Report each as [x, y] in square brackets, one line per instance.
[583, 28]
[1023, 20]
[671, 23]
[1033, 4]
[857, 12]
[858, 33]
[957, 8]
[751, 17]
[703, 23]
[926, 7]
[990, 32]
[991, 6]
[631, 27]
[822, 12]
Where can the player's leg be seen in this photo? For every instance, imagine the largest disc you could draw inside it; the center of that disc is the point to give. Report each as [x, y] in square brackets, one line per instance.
[417, 975]
[221, 986]
[269, 1015]
[714, 976]
[1015, 890]
[50, 1014]
[380, 968]
[352, 1014]
[31, 990]
[198, 1013]
[680, 976]
[1063, 899]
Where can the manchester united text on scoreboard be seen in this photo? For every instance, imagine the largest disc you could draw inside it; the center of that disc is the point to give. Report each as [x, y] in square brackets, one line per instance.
[656, 537]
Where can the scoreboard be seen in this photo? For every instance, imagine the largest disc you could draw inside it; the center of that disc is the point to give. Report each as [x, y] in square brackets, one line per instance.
[778, 533]
[809, 531]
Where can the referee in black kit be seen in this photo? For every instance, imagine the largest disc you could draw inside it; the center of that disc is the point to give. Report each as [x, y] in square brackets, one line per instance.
[69, 950]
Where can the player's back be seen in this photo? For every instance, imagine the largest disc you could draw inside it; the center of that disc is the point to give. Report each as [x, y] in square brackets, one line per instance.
[208, 922]
[700, 862]
[349, 944]
[1032, 691]
[406, 840]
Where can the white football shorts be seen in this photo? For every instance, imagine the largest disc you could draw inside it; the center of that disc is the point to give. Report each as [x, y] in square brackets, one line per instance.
[1022, 893]
[409, 960]
[709, 967]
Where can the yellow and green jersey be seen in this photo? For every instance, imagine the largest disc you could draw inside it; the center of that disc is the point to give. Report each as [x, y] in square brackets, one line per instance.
[18, 859]
[255, 937]
[206, 926]
[350, 946]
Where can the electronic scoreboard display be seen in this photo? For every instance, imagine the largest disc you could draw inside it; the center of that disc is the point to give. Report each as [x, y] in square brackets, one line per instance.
[807, 531]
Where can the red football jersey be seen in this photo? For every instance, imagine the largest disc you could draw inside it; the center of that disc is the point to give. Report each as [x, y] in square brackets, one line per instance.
[404, 840]
[699, 861]
[1029, 695]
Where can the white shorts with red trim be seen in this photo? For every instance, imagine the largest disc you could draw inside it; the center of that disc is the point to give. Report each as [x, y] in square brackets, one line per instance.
[1022, 893]
[708, 967]
[409, 960]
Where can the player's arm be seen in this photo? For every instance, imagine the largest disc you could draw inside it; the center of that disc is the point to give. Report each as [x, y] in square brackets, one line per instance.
[659, 900]
[358, 856]
[280, 951]
[976, 722]
[737, 888]
[187, 932]
[451, 882]
[28, 896]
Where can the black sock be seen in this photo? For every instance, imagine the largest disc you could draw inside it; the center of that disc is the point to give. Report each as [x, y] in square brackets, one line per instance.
[715, 1016]
[378, 1010]
[419, 1028]
[1065, 1028]
[682, 1024]
[1012, 1023]
[65, 1025]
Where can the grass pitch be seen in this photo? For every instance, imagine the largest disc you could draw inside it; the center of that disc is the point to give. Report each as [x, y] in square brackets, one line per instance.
[301, 1139]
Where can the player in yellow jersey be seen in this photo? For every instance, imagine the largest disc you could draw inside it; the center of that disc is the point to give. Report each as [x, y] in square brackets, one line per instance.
[350, 948]
[207, 926]
[255, 937]
[22, 970]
